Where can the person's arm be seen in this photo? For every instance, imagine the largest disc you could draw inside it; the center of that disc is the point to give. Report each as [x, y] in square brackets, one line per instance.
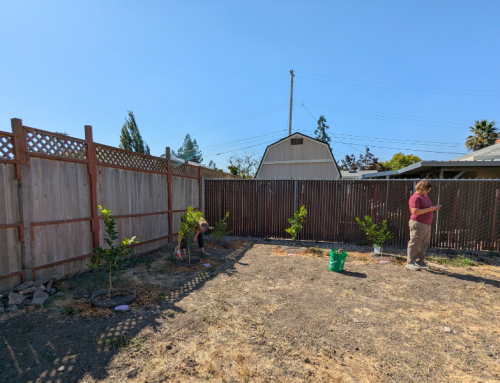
[179, 239]
[197, 231]
[418, 211]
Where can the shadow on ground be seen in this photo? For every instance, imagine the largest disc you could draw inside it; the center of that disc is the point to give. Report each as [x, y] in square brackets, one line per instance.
[52, 347]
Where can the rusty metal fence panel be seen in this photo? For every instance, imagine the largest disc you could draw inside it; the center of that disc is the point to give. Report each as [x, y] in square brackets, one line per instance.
[260, 208]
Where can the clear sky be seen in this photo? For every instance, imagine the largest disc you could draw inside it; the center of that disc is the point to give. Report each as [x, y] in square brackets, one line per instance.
[391, 75]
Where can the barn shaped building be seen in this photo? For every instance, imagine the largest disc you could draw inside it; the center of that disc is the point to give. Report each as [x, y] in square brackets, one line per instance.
[298, 157]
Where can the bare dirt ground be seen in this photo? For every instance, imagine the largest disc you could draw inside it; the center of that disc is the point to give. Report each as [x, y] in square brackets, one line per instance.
[260, 315]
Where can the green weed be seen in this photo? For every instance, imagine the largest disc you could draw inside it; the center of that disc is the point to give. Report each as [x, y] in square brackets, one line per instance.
[316, 250]
[68, 311]
[170, 313]
[460, 261]
[208, 318]
[120, 342]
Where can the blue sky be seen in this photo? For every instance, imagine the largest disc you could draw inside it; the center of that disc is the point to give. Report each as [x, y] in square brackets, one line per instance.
[390, 75]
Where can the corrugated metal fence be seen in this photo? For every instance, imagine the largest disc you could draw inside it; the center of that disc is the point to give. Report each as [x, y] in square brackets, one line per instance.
[260, 208]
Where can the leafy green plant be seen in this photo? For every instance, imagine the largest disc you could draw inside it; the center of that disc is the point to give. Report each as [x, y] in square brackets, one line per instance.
[189, 222]
[112, 258]
[376, 234]
[220, 229]
[298, 219]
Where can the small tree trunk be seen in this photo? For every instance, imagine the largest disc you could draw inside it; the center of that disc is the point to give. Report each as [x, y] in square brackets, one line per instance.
[189, 254]
[109, 291]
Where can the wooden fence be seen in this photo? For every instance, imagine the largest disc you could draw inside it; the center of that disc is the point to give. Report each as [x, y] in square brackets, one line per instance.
[468, 219]
[51, 185]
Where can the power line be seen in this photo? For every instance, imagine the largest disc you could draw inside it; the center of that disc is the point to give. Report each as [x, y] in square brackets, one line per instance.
[215, 99]
[402, 89]
[415, 150]
[382, 119]
[413, 86]
[201, 110]
[223, 124]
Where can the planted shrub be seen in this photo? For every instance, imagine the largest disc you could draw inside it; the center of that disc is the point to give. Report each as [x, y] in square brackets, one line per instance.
[298, 219]
[189, 222]
[220, 229]
[112, 258]
[377, 235]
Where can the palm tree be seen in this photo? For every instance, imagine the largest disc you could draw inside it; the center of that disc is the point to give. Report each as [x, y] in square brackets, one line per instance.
[484, 134]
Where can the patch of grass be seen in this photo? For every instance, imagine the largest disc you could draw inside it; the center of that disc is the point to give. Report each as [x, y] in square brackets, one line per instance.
[170, 313]
[68, 311]
[456, 262]
[118, 342]
[134, 262]
[316, 250]
[364, 259]
[208, 318]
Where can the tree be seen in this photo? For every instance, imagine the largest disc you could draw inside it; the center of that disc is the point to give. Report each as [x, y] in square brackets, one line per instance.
[320, 131]
[130, 138]
[212, 165]
[400, 160]
[484, 134]
[189, 151]
[243, 165]
[366, 161]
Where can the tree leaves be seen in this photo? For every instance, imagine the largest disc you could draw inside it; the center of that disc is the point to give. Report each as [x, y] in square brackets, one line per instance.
[484, 134]
[130, 138]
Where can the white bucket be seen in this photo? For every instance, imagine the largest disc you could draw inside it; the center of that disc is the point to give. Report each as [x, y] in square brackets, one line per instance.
[377, 250]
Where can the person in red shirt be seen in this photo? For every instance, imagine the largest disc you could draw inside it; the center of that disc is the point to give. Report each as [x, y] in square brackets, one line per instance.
[420, 225]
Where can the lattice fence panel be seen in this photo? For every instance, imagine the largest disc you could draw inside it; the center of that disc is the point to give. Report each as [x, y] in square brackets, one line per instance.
[6, 148]
[52, 145]
[184, 170]
[111, 156]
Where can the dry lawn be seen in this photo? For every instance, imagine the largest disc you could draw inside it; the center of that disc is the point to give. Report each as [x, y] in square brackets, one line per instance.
[260, 315]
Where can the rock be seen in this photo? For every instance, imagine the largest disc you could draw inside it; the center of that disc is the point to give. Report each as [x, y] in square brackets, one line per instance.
[447, 329]
[454, 332]
[307, 360]
[49, 286]
[59, 294]
[39, 298]
[355, 320]
[131, 373]
[13, 309]
[41, 282]
[57, 276]
[16, 299]
[41, 287]
[24, 286]
[61, 369]
[27, 291]
[52, 291]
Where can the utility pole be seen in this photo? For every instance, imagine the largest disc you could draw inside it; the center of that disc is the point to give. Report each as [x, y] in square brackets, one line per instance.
[291, 103]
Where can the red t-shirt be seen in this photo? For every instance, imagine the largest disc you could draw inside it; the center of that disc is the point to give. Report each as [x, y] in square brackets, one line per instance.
[420, 201]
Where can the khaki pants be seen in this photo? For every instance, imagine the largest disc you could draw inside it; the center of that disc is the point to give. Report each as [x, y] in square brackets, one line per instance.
[420, 236]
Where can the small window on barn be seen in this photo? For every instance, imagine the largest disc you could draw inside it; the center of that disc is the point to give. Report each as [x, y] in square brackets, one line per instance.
[297, 141]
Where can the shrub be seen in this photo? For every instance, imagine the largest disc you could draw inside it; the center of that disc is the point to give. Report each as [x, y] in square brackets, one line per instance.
[298, 219]
[189, 221]
[112, 258]
[220, 229]
[375, 234]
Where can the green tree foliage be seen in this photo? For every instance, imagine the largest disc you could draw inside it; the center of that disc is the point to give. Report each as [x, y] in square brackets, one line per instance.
[375, 234]
[189, 221]
[298, 219]
[244, 164]
[401, 160]
[366, 161]
[130, 137]
[320, 131]
[484, 134]
[189, 151]
[112, 258]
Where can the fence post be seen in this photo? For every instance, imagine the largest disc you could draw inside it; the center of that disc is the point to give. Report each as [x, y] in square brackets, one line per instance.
[200, 205]
[92, 171]
[294, 196]
[24, 196]
[169, 194]
[494, 222]
[450, 237]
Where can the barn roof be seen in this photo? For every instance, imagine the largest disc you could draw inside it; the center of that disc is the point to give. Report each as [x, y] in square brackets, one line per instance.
[303, 135]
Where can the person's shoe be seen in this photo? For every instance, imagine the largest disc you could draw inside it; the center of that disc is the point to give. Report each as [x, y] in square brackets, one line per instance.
[413, 267]
[422, 265]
